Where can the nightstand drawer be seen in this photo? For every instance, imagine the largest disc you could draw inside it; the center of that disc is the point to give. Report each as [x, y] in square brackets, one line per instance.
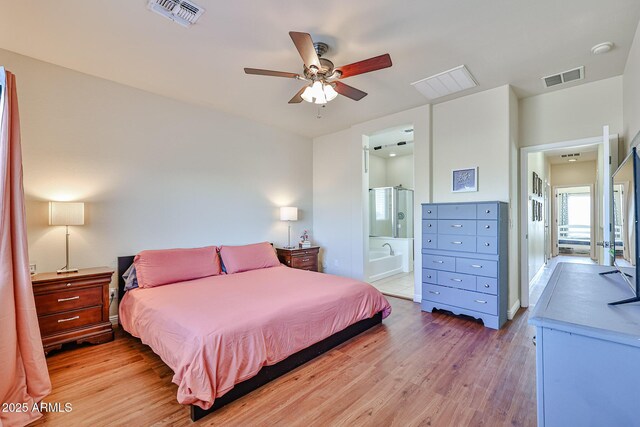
[304, 261]
[61, 322]
[68, 300]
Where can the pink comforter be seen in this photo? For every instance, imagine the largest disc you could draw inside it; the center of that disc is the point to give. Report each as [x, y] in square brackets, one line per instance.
[217, 331]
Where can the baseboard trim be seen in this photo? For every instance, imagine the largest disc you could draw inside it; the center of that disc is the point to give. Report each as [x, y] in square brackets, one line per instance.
[514, 309]
[113, 319]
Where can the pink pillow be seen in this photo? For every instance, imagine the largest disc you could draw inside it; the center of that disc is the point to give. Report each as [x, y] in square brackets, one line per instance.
[248, 257]
[161, 267]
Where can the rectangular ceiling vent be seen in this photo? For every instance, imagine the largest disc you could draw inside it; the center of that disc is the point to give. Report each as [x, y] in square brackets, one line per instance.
[564, 77]
[446, 83]
[570, 155]
[182, 12]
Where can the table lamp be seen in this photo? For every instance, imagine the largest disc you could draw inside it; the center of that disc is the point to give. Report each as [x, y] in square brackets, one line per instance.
[288, 213]
[66, 213]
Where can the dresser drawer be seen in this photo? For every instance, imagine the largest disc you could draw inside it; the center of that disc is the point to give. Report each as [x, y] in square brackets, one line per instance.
[487, 211]
[457, 211]
[305, 252]
[429, 226]
[60, 322]
[304, 261]
[479, 267]
[430, 241]
[455, 226]
[487, 245]
[457, 280]
[438, 262]
[457, 243]
[470, 300]
[487, 228]
[429, 276]
[68, 300]
[487, 285]
[429, 212]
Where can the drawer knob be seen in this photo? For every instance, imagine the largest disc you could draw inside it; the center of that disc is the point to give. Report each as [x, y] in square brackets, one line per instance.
[439, 262]
[429, 277]
[480, 301]
[456, 243]
[456, 280]
[434, 292]
[487, 211]
[456, 225]
[487, 244]
[68, 299]
[429, 211]
[429, 241]
[487, 227]
[70, 318]
[486, 285]
[429, 225]
[305, 260]
[68, 284]
[476, 266]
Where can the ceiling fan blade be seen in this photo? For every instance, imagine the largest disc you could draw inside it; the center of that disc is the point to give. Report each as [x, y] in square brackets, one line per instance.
[304, 44]
[349, 91]
[297, 98]
[260, 72]
[366, 66]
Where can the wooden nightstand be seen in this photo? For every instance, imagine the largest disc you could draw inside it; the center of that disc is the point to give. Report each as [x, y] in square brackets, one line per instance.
[73, 307]
[300, 258]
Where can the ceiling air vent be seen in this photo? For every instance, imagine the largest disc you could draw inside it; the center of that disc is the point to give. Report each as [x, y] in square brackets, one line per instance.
[182, 12]
[564, 77]
[446, 83]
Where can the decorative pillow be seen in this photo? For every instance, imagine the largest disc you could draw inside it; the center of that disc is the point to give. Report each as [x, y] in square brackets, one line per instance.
[130, 278]
[248, 257]
[161, 267]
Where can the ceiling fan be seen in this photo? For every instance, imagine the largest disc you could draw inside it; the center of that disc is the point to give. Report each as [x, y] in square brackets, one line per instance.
[323, 77]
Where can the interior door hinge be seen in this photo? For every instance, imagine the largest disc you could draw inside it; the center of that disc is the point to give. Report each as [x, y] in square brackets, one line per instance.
[609, 159]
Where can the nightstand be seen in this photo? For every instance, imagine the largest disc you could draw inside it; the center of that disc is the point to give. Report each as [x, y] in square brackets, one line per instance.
[300, 258]
[73, 307]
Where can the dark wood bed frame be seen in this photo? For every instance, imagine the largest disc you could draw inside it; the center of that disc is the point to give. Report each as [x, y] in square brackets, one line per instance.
[267, 373]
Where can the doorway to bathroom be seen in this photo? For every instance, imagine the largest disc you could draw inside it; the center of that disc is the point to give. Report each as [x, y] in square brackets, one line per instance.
[390, 211]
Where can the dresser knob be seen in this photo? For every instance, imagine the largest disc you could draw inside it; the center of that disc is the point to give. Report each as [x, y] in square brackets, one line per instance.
[68, 284]
[487, 211]
[429, 225]
[429, 211]
[487, 227]
[487, 244]
[486, 285]
[429, 241]
[428, 277]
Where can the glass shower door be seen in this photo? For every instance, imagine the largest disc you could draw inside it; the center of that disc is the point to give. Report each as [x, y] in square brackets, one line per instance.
[404, 214]
[381, 207]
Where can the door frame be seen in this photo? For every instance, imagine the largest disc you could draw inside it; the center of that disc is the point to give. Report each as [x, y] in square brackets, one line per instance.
[524, 202]
[592, 218]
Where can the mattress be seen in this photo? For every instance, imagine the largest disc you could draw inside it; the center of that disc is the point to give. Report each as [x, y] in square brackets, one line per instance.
[217, 331]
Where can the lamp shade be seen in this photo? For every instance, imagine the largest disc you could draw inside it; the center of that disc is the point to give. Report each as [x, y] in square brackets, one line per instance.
[288, 213]
[66, 213]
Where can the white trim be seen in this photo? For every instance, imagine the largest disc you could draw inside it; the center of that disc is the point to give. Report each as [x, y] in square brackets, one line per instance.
[513, 310]
[417, 298]
[113, 319]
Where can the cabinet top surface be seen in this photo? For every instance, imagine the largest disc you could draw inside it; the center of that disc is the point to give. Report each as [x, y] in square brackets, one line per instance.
[297, 249]
[576, 300]
[82, 273]
[463, 203]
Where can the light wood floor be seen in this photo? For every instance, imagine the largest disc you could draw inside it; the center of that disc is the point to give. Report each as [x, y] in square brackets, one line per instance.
[399, 285]
[415, 369]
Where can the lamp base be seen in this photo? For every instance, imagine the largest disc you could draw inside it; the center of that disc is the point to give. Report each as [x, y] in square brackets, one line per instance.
[67, 270]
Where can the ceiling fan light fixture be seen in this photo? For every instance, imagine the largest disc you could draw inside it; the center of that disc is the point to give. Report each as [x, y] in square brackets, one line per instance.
[315, 93]
[329, 92]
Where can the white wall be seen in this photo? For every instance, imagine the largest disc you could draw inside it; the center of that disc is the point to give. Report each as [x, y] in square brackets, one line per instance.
[400, 171]
[572, 113]
[377, 172]
[514, 205]
[472, 131]
[631, 96]
[340, 190]
[154, 172]
[535, 233]
[578, 173]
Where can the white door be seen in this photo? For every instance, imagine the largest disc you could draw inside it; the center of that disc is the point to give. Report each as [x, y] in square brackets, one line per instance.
[608, 162]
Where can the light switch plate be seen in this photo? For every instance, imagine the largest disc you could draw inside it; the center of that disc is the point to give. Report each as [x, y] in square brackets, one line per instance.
[32, 268]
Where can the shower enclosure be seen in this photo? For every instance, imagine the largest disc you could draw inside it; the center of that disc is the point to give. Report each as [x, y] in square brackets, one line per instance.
[391, 212]
[391, 224]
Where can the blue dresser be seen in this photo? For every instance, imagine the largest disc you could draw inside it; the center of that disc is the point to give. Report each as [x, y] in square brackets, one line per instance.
[587, 352]
[465, 259]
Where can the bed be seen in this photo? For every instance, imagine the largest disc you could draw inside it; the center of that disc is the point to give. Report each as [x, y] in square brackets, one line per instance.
[224, 336]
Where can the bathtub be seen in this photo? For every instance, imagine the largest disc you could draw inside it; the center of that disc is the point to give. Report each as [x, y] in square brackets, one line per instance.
[382, 265]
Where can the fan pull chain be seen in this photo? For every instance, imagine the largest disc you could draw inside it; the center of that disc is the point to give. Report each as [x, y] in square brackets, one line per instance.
[319, 116]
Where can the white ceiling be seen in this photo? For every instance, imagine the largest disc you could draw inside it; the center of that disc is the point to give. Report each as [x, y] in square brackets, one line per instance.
[588, 153]
[388, 140]
[500, 41]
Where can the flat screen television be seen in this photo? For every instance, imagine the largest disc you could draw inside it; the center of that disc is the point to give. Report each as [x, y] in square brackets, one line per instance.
[627, 178]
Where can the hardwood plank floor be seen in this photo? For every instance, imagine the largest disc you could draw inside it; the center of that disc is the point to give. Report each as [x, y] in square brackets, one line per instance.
[416, 369]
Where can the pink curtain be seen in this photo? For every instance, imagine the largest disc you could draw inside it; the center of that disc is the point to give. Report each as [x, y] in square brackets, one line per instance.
[24, 378]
